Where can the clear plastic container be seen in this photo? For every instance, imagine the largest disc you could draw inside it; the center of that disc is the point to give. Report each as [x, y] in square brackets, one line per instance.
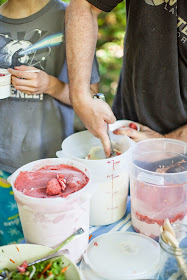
[110, 176]
[121, 256]
[158, 184]
[174, 261]
[49, 221]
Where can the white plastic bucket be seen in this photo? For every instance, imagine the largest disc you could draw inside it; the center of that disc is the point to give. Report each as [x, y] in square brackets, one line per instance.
[49, 221]
[110, 176]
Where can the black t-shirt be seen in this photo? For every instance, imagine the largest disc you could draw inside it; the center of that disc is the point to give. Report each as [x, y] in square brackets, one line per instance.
[153, 82]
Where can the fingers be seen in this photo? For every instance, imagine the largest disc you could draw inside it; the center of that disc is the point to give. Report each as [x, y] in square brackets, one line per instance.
[144, 133]
[110, 118]
[23, 81]
[106, 118]
[130, 132]
[25, 85]
[27, 90]
[106, 143]
[124, 131]
[95, 115]
[25, 68]
[100, 131]
[22, 74]
[105, 110]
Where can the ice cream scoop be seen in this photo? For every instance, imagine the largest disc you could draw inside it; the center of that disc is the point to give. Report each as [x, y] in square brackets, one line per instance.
[76, 233]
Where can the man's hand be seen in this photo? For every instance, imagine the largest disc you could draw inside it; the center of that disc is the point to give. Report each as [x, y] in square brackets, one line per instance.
[29, 82]
[144, 133]
[95, 113]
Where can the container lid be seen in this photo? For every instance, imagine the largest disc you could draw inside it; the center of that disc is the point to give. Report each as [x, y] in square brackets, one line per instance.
[123, 256]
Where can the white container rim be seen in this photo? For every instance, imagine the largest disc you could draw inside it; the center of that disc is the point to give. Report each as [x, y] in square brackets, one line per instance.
[105, 160]
[159, 140]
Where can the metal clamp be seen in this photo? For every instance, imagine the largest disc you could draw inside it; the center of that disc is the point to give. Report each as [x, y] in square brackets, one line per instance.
[99, 96]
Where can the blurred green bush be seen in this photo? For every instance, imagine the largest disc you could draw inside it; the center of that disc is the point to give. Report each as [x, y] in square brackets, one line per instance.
[109, 48]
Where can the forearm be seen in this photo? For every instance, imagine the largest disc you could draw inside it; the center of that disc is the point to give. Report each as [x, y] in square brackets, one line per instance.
[81, 37]
[58, 90]
[178, 134]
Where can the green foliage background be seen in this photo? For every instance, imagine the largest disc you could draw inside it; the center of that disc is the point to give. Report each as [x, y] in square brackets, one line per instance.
[109, 48]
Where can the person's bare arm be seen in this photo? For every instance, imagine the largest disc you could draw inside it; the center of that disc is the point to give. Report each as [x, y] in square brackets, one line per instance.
[81, 38]
[179, 133]
[41, 82]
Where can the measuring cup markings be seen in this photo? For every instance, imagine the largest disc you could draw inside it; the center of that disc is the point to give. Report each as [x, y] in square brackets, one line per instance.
[113, 193]
[112, 208]
[112, 175]
[114, 163]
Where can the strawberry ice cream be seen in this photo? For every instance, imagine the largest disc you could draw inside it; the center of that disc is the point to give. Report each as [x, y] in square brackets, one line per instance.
[52, 180]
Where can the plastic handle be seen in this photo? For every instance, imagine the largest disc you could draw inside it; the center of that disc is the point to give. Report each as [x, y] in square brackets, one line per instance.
[61, 154]
[150, 179]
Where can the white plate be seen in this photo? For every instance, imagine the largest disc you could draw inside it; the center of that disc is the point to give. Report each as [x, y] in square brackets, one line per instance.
[18, 253]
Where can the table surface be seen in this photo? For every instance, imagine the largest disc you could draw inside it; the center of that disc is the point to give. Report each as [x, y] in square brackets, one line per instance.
[123, 225]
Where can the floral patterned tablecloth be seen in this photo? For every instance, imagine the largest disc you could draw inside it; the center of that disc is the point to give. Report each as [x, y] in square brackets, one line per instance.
[10, 225]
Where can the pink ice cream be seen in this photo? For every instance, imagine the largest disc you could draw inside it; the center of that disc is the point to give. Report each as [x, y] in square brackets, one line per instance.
[51, 180]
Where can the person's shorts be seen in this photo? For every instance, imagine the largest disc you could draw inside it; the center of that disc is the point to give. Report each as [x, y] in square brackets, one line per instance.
[10, 225]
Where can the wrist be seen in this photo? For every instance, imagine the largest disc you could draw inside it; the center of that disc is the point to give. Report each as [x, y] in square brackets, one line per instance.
[80, 97]
[50, 85]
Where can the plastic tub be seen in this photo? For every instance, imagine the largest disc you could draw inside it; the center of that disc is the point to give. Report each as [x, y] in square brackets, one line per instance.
[110, 176]
[49, 221]
[121, 256]
[158, 184]
[5, 84]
